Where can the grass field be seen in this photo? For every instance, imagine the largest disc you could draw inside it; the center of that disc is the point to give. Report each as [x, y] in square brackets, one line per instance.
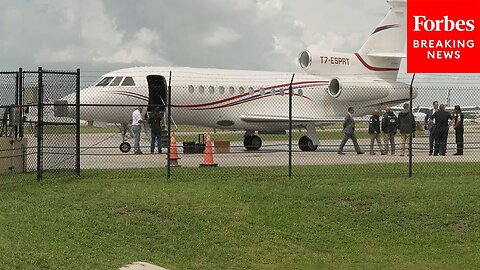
[229, 218]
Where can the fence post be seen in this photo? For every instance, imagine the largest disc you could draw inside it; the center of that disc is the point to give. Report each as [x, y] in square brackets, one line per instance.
[410, 139]
[20, 100]
[40, 125]
[290, 104]
[77, 124]
[169, 128]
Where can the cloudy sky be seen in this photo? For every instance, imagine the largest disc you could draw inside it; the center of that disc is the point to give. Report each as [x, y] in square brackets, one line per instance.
[98, 36]
[234, 34]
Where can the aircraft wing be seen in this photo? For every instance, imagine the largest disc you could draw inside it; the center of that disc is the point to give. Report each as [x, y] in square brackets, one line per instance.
[259, 118]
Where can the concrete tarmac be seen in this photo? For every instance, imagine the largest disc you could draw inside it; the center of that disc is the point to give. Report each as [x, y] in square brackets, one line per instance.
[101, 151]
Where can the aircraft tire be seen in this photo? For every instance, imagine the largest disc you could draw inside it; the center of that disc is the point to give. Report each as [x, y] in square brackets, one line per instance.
[125, 147]
[306, 144]
[252, 142]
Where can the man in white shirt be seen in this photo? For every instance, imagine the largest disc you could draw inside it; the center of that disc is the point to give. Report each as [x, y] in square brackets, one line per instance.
[137, 120]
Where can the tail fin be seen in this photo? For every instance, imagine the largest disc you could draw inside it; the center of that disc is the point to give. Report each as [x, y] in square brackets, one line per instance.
[386, 45]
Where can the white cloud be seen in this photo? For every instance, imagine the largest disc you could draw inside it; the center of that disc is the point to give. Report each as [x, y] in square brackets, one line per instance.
[142, 48]
[221, 36]
[298, 24]
[269, 8]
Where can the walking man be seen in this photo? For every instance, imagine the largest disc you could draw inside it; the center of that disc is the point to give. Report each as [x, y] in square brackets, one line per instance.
[374, 131]
[406, 124]
[349, 133]
[389, 128]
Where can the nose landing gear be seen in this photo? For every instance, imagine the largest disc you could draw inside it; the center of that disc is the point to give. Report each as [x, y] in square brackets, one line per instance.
[124, 146]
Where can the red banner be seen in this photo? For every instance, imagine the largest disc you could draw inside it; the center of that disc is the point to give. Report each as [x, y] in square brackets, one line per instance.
[443, 36]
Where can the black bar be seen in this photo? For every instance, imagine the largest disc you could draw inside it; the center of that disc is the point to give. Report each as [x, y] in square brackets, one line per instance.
[40, 126]
[46, 123]
[77, 122]
[55, 72]
[20, 100]
[106, 105]
[17, 88]
[410, 131]
[290, 104]
[169, 128]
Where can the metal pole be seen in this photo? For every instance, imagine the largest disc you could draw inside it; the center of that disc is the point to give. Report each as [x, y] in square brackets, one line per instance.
[17, 83]
[169, 128]
[290, 105]
[77, 124]
[410, 131]
[40, 125]
[20, 100]
[15, 108]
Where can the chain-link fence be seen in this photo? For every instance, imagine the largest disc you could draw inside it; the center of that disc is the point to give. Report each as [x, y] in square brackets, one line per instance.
[243, 119]
[39, 133]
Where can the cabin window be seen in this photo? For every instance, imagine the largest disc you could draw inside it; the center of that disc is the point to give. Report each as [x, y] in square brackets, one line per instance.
[262, 91]
[232, 90]
[251, 91]
[128, 81]
[300, 91]
[201, 89]
[211, 89]
[221, 90]
[241, 90]
[105, 81]
[191, 89]
[116, 81]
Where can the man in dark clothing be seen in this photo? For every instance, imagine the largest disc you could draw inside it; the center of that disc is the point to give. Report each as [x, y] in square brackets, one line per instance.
[441, 118]
[389, 128]
[156, 127]
[406, 124]
[429, 125]
[374, 131]
[349, 133]
[458, 126]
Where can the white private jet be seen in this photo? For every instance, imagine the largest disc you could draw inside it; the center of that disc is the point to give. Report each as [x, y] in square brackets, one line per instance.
[257, 101]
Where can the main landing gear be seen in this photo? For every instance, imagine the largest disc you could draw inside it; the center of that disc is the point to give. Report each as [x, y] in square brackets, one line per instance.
[308, 143]
[252, 142]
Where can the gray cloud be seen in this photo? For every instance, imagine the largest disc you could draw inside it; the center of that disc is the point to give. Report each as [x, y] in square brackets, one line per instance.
[238, 34]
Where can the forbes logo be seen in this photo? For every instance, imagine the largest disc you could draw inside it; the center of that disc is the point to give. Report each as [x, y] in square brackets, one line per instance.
[445, 24]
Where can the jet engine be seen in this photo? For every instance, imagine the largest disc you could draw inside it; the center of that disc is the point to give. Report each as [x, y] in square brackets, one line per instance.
[357, 90]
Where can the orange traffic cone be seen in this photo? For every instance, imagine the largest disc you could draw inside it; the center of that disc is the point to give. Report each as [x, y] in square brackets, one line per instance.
[173, 152]
[208, 154]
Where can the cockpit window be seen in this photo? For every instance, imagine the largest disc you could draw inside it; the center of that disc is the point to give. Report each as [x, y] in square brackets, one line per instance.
[116, 81]
[128, 82]
[105, 81]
